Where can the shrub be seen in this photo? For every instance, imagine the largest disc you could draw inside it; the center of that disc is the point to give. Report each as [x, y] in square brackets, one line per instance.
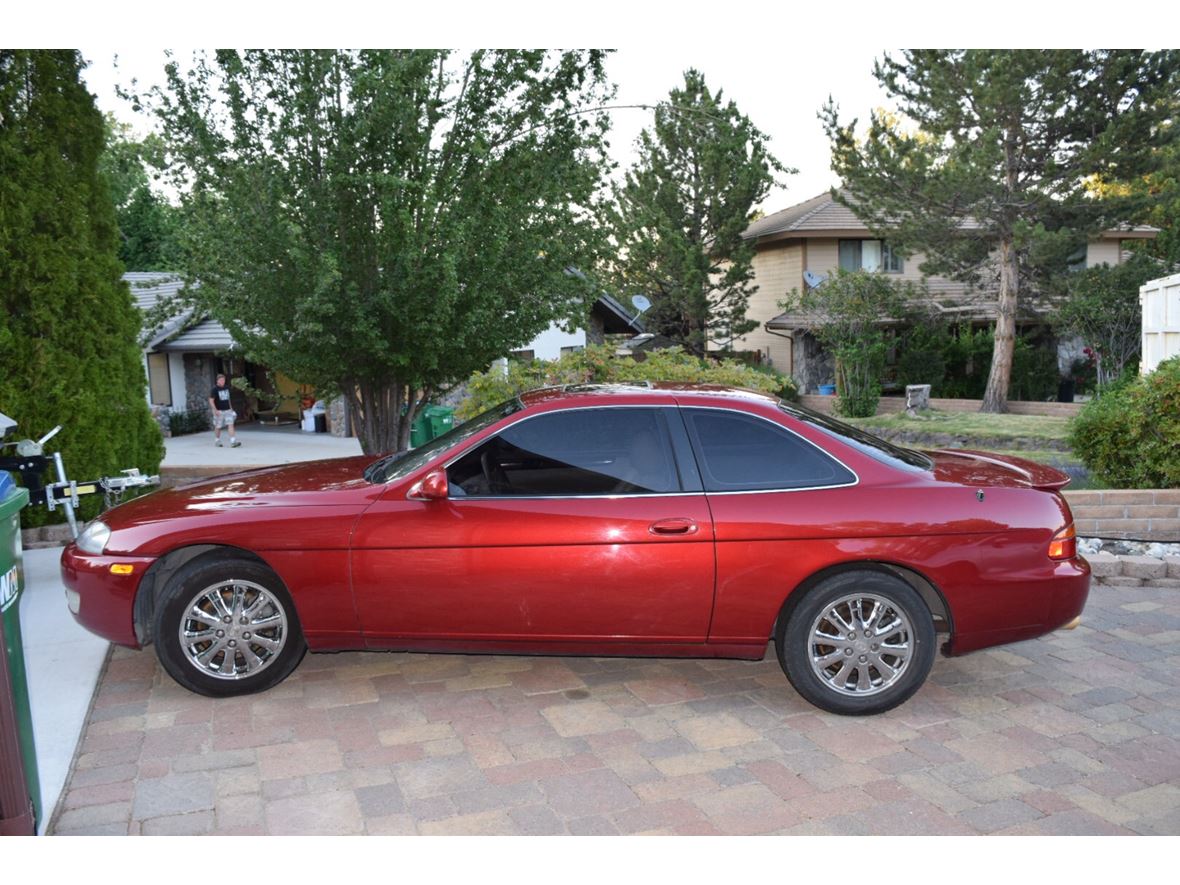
[599, 364]
[181, 423]
[957, 365]
[1129, 437]
[1035, 374]
[847, 315]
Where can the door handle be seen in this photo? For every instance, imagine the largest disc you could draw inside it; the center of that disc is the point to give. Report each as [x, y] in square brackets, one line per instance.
[677, 525]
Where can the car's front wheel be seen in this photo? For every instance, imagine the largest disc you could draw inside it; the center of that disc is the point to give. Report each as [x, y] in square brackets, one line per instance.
[860, 642]
[227, 626]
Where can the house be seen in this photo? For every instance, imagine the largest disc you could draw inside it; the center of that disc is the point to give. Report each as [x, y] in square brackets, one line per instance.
[822, 234]
[184, 354]
[607, 317]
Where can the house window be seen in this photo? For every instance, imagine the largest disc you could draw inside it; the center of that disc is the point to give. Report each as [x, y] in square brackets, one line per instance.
[869, 255]
[159, 380]
[523, 356]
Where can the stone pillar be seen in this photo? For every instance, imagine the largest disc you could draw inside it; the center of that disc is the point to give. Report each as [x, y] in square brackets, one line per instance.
[917, 396]
[338, 417]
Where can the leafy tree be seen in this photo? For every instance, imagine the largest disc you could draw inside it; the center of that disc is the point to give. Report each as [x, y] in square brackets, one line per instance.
[147, 222]
[678, 218]
[68, 327]
[998, 181]
[384, 223]
[1102, 308]
[848, 315]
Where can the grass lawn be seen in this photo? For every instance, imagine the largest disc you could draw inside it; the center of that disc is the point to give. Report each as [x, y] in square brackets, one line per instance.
[970, 424]
[1037, 438]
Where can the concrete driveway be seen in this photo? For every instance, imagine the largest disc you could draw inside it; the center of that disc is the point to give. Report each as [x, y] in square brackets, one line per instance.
[1078, 733]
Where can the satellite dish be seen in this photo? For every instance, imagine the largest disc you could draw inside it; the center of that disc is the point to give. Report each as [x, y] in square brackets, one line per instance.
[641, 303]
[812, 279]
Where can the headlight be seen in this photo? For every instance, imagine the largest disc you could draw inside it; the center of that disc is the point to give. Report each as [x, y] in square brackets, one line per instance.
[94, 537]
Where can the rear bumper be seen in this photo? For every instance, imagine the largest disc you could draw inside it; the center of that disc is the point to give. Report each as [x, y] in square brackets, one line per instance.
[1068, 589]
[101, 601]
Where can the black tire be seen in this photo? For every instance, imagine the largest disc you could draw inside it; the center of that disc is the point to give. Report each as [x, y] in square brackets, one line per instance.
[853, 678]
[264, 629]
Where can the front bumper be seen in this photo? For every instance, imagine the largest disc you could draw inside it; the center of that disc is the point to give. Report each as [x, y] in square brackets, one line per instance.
[103, 601]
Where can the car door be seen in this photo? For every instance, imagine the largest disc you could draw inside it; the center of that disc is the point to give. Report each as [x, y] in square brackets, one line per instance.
[566, 525]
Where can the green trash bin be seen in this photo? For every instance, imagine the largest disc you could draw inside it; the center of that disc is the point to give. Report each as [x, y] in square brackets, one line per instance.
[439, 419]
[419, 431]
[12, 499]
[432, 421]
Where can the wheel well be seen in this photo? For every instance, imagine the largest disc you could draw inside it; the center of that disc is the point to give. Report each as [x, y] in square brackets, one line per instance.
[926, 588]
[161, 571]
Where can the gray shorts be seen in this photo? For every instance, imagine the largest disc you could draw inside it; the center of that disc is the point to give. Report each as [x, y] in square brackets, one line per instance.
[222, 418]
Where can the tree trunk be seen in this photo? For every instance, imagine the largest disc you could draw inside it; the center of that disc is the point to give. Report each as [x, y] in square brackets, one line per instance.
[377, 415]
[995, 398]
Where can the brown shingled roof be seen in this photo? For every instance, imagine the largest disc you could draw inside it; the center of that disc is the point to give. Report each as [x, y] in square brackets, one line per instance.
[824, 214]
[820, 213]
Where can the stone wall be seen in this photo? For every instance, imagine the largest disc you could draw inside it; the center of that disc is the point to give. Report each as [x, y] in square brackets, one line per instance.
[1129, 514]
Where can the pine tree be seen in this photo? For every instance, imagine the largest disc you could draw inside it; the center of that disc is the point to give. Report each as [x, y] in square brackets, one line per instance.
[69, 328]
[702, 169]
[999, 183]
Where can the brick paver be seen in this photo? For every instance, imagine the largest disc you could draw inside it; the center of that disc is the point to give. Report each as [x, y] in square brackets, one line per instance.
[1075, 733]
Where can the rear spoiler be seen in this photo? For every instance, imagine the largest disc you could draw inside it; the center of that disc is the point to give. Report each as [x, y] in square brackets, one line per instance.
[1039, 476]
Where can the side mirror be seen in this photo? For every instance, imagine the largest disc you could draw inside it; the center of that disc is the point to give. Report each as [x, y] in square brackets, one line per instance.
[431, 487]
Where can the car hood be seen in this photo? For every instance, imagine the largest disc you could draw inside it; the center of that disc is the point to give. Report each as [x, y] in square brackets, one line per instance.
[968, 467]
[337, 481]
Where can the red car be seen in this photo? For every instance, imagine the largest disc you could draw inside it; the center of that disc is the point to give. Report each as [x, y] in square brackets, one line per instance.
[664, 520]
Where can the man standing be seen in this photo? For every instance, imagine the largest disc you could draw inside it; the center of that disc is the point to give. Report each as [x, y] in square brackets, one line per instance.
[223, 412]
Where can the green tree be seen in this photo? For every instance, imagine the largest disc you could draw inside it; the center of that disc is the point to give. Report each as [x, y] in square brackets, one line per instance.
[848, 314]
[1102, 308]
[679, 217]
[147, 222]
[998, 182]
[384, 223]
[68, 328]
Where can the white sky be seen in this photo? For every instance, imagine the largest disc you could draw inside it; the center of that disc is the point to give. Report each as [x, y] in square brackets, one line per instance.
[781, 98]
[778, 60]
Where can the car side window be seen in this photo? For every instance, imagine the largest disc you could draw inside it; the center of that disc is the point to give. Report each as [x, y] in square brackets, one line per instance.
[608, 451]
[739, 453]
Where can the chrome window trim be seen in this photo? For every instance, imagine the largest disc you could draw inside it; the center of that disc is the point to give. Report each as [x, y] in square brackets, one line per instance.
[816, 446]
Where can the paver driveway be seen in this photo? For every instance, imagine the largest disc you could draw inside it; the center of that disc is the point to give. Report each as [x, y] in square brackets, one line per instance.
[1073, 733]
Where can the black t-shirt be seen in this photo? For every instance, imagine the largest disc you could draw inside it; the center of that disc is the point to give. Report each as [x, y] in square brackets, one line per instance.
[221, 398]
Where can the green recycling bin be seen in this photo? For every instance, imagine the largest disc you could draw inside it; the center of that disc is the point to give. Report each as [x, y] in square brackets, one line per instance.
[439, 419]
[432, 421]
[419, 430]
[12, 499]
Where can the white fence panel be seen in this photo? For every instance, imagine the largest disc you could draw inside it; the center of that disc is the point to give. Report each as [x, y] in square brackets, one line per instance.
[1160, 300]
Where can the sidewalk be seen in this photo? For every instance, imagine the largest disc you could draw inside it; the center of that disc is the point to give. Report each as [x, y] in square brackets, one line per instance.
[63, 662]
[261, 446]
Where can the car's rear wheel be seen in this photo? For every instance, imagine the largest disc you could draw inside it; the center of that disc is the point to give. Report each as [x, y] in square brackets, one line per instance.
[860, 642]
[227, 627]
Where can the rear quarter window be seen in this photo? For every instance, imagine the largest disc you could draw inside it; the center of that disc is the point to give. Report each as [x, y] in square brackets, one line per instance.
[740, 452]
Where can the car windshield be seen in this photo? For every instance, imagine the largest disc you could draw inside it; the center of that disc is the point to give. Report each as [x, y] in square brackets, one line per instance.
[399, 464]
[865, 443]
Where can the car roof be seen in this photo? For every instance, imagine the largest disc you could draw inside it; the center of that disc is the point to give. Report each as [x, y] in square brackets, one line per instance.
[633, 390]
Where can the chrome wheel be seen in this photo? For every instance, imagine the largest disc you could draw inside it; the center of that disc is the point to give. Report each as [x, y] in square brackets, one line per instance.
[233, 629]
[861, 645]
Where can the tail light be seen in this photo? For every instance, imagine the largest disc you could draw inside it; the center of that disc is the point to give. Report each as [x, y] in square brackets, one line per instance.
[1064, 544]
